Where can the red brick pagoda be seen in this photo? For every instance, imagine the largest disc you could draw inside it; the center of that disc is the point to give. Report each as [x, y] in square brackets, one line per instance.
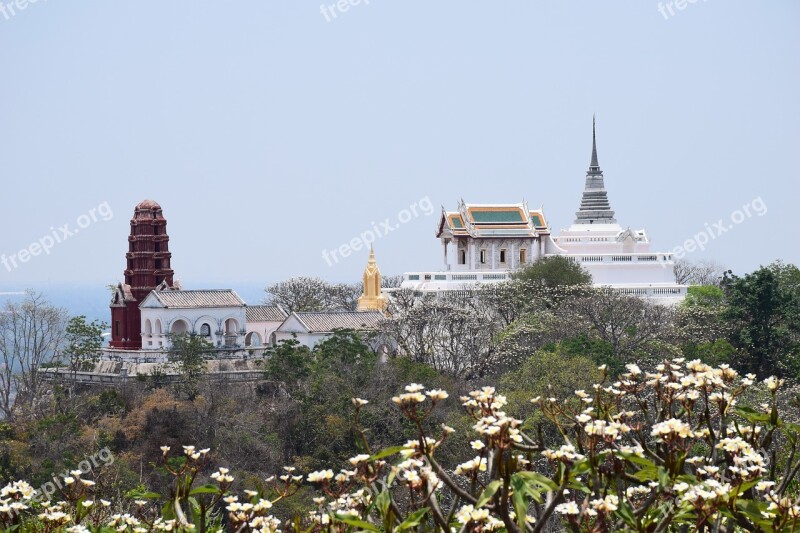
[148, 269]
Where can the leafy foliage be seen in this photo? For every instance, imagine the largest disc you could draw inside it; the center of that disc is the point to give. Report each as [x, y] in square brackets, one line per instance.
[83, 342]
[190, 353]
[764, 310]
[554, 271]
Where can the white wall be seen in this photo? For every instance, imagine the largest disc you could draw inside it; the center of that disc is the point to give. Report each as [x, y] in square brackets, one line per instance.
[215, 317]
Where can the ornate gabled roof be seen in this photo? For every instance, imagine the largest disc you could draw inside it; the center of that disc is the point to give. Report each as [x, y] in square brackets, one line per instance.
[122, 294]
[325, 322]
[492, 220]
[265, 313]
[197, 298]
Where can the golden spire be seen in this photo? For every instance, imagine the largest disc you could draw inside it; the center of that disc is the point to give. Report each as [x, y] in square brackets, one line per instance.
[371, 299]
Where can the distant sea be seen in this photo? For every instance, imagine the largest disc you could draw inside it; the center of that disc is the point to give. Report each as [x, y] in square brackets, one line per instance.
[93, 300]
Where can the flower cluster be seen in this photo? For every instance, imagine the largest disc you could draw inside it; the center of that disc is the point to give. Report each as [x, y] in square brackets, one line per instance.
[666, 447]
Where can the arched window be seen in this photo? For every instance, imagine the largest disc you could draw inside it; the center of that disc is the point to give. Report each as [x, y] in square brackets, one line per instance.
[252, 339]
[205, 330]
[231, 327]
[178, 327]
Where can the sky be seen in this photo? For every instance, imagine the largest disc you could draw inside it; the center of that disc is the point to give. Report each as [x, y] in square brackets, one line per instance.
[272, 131]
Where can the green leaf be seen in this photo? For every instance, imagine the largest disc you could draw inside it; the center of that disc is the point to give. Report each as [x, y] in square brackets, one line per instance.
[648, 473]
[205, 489]
[168, 511]
[383, 505]
[635, 459]
[625, 512]
[520, 506]
[383, 501]
[143, 495]
[356, 522]
[413, 520]
[663, 477]
[487, 494]
[387, 452]
[751, 415]
[538, 479]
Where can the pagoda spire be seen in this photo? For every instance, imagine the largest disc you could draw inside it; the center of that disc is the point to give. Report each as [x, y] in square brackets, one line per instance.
[372, 299]
[594, 163]
[595, 207]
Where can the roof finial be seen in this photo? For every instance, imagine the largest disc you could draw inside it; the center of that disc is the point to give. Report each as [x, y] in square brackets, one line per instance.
[594, 162]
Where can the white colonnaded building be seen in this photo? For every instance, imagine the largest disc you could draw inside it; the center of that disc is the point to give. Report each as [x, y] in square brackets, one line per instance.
[486, 243]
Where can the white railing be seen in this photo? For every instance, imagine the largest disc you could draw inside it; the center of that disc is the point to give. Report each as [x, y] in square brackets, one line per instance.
[652, 292]
[620, 258]
[434, 277]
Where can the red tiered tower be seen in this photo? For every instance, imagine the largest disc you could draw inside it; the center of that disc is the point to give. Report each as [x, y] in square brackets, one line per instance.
[148, 269]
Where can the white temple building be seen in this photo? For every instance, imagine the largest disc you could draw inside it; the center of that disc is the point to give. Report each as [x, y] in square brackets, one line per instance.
[219, 315]
[485, 243]
[311, 328]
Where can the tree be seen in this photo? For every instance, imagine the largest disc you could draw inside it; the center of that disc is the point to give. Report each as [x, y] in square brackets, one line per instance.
[32, 333]
[548, 373]
[304, 294]
[453, 338]
[703, 296]
[298, 294]
[700, 273]
[83, 342]
[287, 363]
[555, 271]
[345, 345]
[634, 327]
[391, 282]
[189, 353]
[763, 309]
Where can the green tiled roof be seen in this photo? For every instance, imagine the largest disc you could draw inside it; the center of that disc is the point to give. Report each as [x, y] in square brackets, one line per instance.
[537, 221]
[483, 217]
[457, 222]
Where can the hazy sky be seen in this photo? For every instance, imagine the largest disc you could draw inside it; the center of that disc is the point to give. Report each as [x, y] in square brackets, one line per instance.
[270, 131]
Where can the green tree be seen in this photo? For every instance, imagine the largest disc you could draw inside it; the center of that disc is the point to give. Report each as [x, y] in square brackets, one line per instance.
[763, 308]
[701, 327]
[83, 342]
[189, 353]
[556, 372]
[287, 363]
[703, 295]
[555, 271]
[344, 345]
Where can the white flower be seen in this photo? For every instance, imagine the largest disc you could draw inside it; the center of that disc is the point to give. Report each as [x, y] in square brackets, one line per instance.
[361, 458]
[773, 383]
[569, 508]
[437, 394]
[671, 428]
[320, 476]
[478, 463]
